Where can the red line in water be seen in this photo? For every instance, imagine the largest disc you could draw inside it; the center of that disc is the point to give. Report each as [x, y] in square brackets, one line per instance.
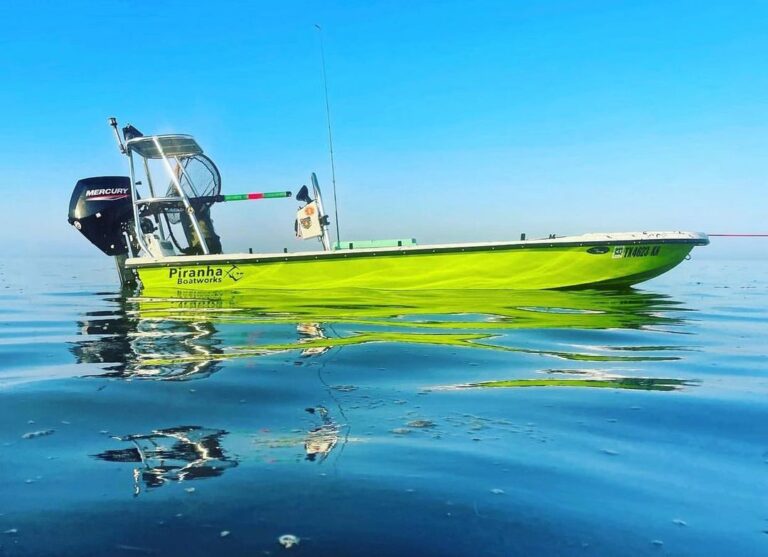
[740, 235]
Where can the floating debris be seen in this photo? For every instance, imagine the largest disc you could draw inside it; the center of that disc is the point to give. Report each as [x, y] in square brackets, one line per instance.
[401, 430]
[657, 543]
[497, 491]
[679, 522]
[134, 548]
[224, 533]
[288, 540]
[189, 489]
[610, 452]
[344, 388]
[41, 433]
[12, 531]
[421, 424]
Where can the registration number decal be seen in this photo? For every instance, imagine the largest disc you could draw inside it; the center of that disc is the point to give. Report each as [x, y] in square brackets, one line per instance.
[623, 252]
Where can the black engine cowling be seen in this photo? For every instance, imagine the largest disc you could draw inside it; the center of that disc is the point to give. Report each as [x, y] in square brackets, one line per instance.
[100, 208]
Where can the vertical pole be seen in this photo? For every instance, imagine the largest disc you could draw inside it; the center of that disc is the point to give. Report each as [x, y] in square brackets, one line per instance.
[113, 123]
[134, 202]
[330, 135]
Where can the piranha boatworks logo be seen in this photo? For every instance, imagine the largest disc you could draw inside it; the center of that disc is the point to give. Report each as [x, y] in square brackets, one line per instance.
[235, 273]
[204, 275]
[106, 194]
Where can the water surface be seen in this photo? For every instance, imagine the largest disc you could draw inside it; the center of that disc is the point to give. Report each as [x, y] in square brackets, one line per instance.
[437, 423]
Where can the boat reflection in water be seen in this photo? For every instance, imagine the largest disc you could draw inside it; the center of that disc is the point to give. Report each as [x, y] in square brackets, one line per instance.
[596, 381]
[186, 453]
[322, 439]
[182, 339]
[177, 454]
[317, 443]
[190, 337]
[121, 340]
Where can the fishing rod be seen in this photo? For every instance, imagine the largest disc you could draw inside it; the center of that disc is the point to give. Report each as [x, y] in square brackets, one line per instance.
[330, 135]
[239, 197]
[204, 200]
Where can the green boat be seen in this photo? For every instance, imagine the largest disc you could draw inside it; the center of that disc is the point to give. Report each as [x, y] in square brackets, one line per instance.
[164, 242]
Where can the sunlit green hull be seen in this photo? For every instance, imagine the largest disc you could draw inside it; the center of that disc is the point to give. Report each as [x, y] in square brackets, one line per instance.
[587, 261]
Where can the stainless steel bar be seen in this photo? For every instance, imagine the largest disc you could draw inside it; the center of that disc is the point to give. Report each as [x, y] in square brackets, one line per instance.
[158, 220]
[149, 200]
[135, 205]
[187, 205]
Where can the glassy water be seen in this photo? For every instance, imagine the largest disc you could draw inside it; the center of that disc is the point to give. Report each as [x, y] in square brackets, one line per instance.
[436, 423]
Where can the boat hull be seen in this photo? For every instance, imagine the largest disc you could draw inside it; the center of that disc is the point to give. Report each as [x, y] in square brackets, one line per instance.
[599, 261]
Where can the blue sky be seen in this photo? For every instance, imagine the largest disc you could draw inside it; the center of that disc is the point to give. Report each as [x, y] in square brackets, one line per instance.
[453, 121]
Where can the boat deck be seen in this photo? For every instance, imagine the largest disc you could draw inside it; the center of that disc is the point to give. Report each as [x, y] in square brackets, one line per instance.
[594, 239]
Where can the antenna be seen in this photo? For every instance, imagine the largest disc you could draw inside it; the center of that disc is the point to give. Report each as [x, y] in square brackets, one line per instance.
[330, 135]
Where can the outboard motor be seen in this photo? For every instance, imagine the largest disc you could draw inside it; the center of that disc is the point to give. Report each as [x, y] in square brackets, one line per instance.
[100, 208]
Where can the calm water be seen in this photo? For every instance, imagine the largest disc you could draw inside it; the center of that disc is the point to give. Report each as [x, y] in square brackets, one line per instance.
[582, 423]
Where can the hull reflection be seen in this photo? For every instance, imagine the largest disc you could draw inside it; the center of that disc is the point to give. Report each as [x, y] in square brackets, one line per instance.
[631, 383]
[189, 338]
